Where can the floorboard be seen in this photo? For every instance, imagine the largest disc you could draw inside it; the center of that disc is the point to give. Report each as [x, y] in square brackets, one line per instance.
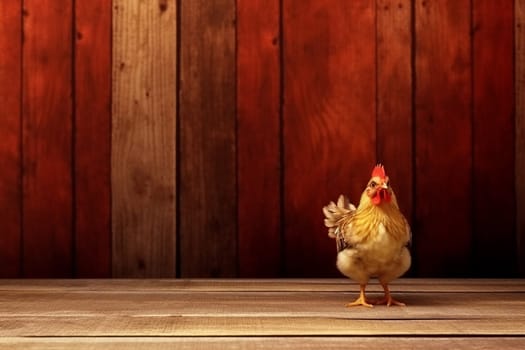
[287, 343]
[259, 314]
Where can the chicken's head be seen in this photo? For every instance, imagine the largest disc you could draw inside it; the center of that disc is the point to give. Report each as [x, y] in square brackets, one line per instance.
[378, 188]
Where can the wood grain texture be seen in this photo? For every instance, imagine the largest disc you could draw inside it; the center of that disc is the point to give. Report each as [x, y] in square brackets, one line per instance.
[254, 304]
[329, 121]
[224, 326]
[10, 157]
[143, 138]
[235, 285]
[519, 93]
[258, 138]
[261, 326]
[493, 193]
[394, 97]
[47, 145]
[92, 138]
[208, 210]
[124, 308]
[443, 197]
[288, 343]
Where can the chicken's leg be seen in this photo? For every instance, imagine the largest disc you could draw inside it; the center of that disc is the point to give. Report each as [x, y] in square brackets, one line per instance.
[361, 300]
[388, 300]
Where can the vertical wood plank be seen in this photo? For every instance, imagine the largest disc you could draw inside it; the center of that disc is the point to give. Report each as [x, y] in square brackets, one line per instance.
[443, 197]
[143, 138]
[92, 138]
[47, 119]
[258, 113]
[394, 97]
[208, 221]
[519, 8]
[10, 189]
[493, 181]
[329, 121]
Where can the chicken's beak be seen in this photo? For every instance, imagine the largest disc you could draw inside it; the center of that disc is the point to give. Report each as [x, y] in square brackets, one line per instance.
[384, 192]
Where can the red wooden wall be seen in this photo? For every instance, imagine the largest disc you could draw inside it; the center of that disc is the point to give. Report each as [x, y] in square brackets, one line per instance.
[275, 107]
[55, 118]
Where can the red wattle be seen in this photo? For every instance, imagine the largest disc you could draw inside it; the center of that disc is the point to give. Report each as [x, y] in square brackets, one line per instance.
[381, 195]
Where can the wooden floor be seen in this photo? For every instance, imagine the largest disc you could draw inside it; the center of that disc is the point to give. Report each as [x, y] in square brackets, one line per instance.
[259, 314]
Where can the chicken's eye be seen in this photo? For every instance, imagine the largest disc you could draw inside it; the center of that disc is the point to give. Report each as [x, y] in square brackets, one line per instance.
[373, 184]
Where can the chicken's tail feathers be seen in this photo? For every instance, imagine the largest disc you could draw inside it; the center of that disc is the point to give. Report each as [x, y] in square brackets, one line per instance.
[335, 212]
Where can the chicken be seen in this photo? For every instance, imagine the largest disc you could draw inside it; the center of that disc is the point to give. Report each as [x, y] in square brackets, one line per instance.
[372, 239]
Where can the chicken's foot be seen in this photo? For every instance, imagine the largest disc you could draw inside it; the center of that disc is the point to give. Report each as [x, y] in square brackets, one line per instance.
[388, 300]
[361, 300]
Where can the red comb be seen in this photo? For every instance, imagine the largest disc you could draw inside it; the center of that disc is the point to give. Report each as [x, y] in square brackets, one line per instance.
[379, 171]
